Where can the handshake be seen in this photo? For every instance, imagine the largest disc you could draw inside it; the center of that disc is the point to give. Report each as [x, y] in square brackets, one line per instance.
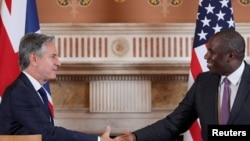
[126, 136]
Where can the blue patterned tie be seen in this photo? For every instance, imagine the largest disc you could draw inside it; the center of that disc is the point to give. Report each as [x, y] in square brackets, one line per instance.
[225, 107]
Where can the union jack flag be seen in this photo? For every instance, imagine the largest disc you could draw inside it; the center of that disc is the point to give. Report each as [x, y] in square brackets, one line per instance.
[17, 18]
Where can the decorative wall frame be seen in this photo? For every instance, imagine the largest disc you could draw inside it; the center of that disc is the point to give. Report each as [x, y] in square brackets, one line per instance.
[244, 2]
[74, 4]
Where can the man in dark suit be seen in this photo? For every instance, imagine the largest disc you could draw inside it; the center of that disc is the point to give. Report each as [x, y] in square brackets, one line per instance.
[225, 58]
[22, 109]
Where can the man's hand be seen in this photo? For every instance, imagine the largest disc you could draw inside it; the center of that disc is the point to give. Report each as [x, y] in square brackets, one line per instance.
[106, 135]
[126, 136]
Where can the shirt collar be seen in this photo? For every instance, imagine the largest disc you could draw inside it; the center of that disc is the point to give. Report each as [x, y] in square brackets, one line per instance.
[33, 81]
[235, 77]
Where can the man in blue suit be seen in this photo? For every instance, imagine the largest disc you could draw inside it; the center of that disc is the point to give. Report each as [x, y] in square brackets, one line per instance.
[225, 58]
[22, 109]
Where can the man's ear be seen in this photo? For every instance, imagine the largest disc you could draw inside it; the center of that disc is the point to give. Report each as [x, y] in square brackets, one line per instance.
[33, 59]
[232, 55]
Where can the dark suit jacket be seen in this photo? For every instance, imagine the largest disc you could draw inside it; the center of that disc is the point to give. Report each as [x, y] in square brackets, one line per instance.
[22, 112]
[201, 101]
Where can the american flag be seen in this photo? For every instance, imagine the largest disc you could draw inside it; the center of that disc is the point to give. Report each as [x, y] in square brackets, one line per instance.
[17, 18]
[212, 17]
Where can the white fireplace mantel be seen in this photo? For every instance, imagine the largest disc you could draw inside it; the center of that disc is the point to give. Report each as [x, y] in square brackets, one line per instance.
[122, 51]
[133, 48]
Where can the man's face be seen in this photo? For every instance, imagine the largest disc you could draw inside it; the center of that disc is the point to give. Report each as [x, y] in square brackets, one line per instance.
[217, 57]
[48, 64]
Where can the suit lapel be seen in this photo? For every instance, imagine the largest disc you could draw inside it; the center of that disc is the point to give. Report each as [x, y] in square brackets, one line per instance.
[208, 98]
[215, 82]
[33, 91]
[242, 93]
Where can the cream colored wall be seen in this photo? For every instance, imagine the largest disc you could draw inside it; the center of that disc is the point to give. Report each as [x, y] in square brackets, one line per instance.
[166, 94]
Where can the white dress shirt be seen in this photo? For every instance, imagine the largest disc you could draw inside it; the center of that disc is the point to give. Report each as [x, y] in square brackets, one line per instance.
[234, 79]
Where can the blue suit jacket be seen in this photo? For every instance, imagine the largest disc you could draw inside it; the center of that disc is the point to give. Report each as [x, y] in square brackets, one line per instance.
[201, 101]
[22, 112]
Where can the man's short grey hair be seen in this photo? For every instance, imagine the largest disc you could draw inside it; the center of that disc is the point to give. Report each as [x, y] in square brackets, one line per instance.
[32, 43]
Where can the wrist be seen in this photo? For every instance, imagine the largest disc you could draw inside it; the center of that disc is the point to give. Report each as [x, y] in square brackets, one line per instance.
[134, 137]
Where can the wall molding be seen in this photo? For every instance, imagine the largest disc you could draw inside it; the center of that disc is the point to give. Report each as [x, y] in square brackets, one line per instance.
[127, 48]
[158, 77]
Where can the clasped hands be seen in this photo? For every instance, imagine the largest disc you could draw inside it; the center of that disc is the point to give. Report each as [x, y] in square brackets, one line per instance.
[126, 136]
